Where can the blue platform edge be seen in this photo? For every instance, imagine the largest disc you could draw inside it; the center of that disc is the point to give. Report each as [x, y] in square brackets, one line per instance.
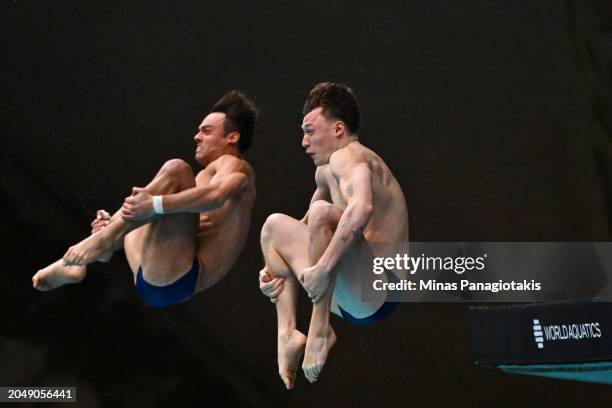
[597, 372]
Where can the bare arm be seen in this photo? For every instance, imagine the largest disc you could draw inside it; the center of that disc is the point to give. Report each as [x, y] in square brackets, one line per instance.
[198, 199]
[354, 219]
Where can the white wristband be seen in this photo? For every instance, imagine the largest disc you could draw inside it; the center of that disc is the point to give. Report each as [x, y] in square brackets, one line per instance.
[158, 204]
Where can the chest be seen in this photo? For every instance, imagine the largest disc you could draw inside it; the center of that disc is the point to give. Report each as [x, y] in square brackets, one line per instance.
[207, 178]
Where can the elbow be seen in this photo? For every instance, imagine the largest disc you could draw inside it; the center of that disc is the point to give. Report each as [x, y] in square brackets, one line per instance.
[362, 212]
[218, 198]
[211, 201]
[365, 210]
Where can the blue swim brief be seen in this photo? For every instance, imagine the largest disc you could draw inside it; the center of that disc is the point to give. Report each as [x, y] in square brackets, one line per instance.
[383, 311]
[176, 292]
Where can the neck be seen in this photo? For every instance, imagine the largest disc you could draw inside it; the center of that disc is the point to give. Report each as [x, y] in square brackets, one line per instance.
[227, 152]
[345, 141]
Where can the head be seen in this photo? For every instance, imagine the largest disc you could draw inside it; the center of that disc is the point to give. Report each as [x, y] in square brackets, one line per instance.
[331, 120]
[227, 129]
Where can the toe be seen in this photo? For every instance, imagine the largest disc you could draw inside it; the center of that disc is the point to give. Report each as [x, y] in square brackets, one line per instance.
[288, 379]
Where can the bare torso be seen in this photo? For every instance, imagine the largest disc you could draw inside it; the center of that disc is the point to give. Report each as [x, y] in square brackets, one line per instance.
[222, 232]
[389, 220]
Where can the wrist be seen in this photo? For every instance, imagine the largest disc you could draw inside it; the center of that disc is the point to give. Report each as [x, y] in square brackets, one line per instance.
[324, 267]
[158, 204]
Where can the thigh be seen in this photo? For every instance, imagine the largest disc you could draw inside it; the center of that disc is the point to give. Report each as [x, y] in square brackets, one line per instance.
[132, 245]
[166, 247]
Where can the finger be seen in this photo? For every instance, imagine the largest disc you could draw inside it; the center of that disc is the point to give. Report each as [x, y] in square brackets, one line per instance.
[99, 227]
[277, 282]
[301, 278]
[126, 215]
[98, 223]
[317, 299]
[274, 300]
[101, 214]
[272, 290]
[137, 190]
[267, 288]
[263, 276]
[105, 215]
[277, 292]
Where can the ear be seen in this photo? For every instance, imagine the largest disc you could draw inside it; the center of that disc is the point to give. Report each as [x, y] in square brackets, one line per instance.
[339, 128]
[233, 137]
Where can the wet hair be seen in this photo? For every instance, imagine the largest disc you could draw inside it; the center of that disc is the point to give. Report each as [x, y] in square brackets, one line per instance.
[337, 101]
[240, 114]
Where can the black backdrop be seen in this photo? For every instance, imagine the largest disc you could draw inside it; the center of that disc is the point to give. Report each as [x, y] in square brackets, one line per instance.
[494, 116]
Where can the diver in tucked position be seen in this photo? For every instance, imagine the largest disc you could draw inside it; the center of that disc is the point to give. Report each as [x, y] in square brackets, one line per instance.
[181, 233]
[357, 200]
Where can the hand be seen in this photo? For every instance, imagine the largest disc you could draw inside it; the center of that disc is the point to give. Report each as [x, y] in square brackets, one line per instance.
[101, 221]
[316, 282]
[271, 287]
[138, 206]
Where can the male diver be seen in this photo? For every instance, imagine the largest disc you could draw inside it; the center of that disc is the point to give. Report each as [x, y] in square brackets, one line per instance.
[181, 233]
[357, 201]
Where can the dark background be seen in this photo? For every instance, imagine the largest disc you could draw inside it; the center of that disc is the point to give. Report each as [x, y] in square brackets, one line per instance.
[494, 117]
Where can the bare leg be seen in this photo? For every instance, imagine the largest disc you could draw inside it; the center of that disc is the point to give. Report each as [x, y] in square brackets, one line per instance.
[166, 246]
[175, 175]
[322, 221]
[56, 275]
[279, 263]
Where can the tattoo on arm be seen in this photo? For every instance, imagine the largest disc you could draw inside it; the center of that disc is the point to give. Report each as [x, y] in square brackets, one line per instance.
[345, 225]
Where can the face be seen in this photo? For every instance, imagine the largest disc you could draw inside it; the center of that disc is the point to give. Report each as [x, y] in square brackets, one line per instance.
[210, 139]
[319, 139]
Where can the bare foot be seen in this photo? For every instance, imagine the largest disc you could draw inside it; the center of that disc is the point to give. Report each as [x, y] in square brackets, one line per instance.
[106, 256]
[56, 275]
[317, 349]
[290, 350]
[87, 251]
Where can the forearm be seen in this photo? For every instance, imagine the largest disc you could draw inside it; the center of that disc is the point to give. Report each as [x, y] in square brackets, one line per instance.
[193, 200]
[351, 225]
[201, 199]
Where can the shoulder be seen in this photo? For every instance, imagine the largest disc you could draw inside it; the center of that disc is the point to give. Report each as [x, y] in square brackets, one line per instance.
[343, 161]
[231, 164]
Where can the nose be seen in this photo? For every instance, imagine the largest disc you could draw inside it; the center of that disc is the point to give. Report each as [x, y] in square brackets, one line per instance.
[197, 137]
[305, 141]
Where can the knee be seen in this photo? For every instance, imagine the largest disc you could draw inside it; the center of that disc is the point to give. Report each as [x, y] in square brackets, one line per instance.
[176, 167]
[321, 214]
[268, 228]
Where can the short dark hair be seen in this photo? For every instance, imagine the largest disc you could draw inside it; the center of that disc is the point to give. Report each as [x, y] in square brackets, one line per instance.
[240, 114]
[337, 100]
